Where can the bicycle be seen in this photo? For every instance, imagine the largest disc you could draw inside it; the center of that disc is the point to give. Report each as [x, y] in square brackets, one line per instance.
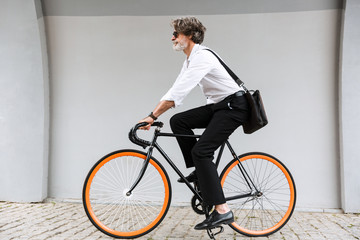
[127, 193]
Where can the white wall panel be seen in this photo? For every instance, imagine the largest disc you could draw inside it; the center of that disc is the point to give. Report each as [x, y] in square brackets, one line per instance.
[24, 103]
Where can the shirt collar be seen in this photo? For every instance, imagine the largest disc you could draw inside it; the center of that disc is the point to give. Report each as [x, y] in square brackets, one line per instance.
[193, 52]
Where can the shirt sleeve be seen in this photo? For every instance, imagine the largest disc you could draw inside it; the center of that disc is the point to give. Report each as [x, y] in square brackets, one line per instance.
[189, 77]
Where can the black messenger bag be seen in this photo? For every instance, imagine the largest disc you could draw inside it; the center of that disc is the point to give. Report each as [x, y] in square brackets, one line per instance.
[258, 118]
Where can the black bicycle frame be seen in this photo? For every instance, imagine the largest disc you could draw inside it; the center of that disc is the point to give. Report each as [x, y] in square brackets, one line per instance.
[154, 144]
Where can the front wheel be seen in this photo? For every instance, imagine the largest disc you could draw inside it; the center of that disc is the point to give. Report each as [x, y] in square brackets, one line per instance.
[111, 209]
[265, 211]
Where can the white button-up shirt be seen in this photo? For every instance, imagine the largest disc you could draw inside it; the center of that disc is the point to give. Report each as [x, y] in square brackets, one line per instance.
[204, 69]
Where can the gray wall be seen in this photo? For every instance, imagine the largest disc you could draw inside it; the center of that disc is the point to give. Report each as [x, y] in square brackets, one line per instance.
[24, 102]
[111, 61]
[185, 7]
[350, 111]
[107, 72]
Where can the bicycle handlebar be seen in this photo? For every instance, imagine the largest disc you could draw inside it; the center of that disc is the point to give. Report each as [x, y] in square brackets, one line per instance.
[138, 141]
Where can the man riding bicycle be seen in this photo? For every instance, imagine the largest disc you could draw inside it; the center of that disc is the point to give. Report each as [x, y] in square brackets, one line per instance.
[226, 110]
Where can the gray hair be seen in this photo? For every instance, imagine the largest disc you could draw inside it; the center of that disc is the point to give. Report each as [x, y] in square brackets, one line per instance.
[190, 26]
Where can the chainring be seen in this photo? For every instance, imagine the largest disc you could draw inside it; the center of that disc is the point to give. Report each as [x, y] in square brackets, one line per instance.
[197, 206]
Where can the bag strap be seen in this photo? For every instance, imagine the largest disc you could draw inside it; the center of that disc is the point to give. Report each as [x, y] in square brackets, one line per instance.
[232, 74]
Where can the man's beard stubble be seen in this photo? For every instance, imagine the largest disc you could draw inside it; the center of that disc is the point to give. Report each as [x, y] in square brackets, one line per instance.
[179, 46]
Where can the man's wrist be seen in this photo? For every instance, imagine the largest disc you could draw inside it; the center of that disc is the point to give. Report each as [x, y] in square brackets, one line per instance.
[152, 116]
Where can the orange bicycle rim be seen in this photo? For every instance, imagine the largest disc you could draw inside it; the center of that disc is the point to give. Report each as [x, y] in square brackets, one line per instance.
[291, 202]
[112, 231]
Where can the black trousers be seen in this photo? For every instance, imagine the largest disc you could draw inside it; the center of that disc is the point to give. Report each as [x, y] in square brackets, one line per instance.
[220, 121]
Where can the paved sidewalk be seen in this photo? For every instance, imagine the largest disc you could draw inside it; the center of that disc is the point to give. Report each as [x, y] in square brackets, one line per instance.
[68, 221]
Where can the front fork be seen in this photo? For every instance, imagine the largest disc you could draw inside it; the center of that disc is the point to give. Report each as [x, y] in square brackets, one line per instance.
[142, 171]
[145, 164]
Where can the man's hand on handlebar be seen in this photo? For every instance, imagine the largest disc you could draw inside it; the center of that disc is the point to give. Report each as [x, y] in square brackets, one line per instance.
[162, 107]
[148, 120]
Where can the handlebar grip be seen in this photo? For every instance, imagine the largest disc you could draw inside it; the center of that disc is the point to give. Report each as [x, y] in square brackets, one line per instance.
[135, 139]
[158, 124]
[139, 125]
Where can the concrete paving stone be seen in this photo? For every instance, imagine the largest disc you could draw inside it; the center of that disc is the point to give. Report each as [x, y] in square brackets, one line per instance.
[59, 221]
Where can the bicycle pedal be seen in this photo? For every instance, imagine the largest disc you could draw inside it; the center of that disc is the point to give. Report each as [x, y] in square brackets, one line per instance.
[211, 234]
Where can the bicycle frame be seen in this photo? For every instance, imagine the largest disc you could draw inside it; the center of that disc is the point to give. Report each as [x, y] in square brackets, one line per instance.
[253, 191]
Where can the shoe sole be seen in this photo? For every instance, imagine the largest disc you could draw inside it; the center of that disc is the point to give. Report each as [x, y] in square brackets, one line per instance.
[227, 222]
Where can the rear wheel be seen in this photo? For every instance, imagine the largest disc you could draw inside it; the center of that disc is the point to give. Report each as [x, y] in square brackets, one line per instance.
[266, 211]
[107, 203]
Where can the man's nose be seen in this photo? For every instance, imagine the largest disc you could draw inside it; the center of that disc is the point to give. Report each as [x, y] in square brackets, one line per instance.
[173, 38]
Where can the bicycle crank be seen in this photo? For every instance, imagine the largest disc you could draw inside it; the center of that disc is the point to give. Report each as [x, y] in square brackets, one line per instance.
[197, 206]
[211, 234]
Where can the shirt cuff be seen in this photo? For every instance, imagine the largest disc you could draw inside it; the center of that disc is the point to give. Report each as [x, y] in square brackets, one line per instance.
[169, 98]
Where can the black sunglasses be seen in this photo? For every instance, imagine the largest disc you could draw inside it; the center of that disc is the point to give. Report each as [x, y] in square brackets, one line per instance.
[175, 34]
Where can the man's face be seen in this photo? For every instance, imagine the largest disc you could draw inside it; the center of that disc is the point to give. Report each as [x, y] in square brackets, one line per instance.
[180, 41]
